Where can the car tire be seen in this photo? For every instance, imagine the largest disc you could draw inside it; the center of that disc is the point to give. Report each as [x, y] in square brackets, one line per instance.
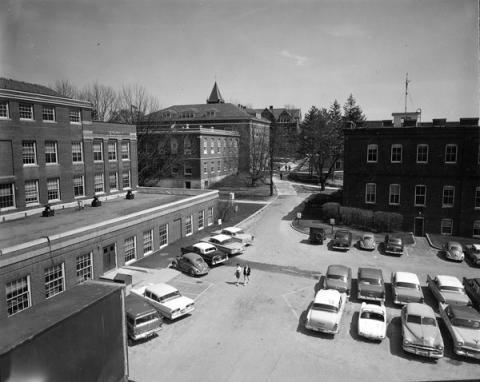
[192, 273]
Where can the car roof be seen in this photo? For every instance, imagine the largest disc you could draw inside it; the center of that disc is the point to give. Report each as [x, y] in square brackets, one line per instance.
[449, 280]
[407, 277]
[221, 237]
[337, 269]
[343, 231]
[203, 245]
[373, 308]
[365, 272]
[161, 289]
[191, 256]
[464, 312]
[453, 244]
[476, 247]
[136, 305]
[233, 229]
[368, 234]
[419, 309]
[327, 296]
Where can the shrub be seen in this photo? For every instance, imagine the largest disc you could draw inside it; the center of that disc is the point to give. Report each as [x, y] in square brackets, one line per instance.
[356, 217]
[387, 221]
[331, 210]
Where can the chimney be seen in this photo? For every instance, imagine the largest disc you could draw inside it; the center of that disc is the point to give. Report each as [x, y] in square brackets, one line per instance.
[271, 107]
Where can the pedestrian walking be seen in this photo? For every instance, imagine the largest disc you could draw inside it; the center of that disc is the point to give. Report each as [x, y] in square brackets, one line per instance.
[281, 175]
[246, 274]
[238, 272]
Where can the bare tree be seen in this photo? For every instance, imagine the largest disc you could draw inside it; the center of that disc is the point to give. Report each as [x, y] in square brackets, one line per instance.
[66, 88]
[259, 153]
[103, 99]
[134, 104]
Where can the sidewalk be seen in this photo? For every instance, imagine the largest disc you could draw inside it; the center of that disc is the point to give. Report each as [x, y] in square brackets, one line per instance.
[284, 187]
[438, 241]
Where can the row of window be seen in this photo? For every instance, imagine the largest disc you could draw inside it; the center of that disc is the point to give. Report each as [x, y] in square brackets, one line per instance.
[29, 152]
[220, 145]
[186, 114]
[227, 166]
[420, 199]
[446, 227]
[396, 153]
[26, 112]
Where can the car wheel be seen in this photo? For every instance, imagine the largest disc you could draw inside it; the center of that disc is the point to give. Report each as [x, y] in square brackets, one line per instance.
[192, 273]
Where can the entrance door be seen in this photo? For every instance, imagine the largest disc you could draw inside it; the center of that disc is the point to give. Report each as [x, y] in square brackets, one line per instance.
[176, 231]
[418, 227]
[188, 184]
[109, 257]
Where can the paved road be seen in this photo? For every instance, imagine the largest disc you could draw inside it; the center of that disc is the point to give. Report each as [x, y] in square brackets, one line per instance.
[256, 333]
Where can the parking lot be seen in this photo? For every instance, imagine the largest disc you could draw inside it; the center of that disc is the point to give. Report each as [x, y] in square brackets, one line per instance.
[256, 332]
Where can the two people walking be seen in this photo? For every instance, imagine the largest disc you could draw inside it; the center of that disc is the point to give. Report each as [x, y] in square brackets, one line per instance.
[246, 274]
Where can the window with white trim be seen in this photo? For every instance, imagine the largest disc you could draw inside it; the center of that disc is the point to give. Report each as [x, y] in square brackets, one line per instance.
[112, 150]
[54, 280]
[53, 189]
[201, 219]
[212, 148]
[173, 145]
[29, 153]
[219, 145]
[163, 233]
[99, 183]
[25, 111]
[205, 168]
[113, 181]
[212, 166]
[187, 171]
[31, 192]
[476, 228]
[174, 171]
[370, 193]
[451, 153]
[125, 150]
[147, 242]
[477, 197]
[420, 195]
[78, 186]
[129, 249]
[396, 153]
[188, 226]
[205, 146]
[7, 196]
[187, 145]
[48, 113]
[422, 153]
[394, 194]
[209, 216]
[77, 152]
[372, 153]
[448, 196]
[97, 151]
[51, 152]
[219, 166]
[126, 179]
[84, 267]
[18, 295]
[446, 227]
[4, 113]
[74, 116]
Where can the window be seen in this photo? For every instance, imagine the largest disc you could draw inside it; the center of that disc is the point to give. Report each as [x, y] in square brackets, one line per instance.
[174, 171]
[188, 225]
[476, 228]
[26, 111]
[188, 171]
[212, 167]
[29, 153]
[422, 153]
[147, 242]
[205, 146]
[98, 151]
[78, 186]
[112, 150]
[48, 113]
[173, 146]
[219, 145]
[7, 196]
[4, 114]
[219, 166]
[396, 154]
[212, 148]
[18, 295]
[113, 181]
[126, 179]
[50, 152]
[446, 227]
[451, 153]
[163, 231]
[372, 154]
[394, 197]
[74, 116]
[77, 152]
[210, 113]
[448, 196]
[84, 267]
[53, 189]
[210, 216]
[205, 167]
[54, 280]
[477, 197]
[201, 219]
[31, 192]
[125, 150]
[129, 249]
[370, 193]
[187, 145]
[99, 183]
[420, 195]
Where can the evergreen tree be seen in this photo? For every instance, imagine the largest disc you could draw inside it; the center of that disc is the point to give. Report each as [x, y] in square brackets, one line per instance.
[352, 112]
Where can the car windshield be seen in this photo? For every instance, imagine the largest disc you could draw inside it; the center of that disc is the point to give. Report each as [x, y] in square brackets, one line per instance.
[169, 296]
[341, 235]
[395, 240]
[208, 250]
[370, 281]
[147, 318]
[368, 238]
[372, 316]
[449, 288]
[402, 284]
[416, 319]
[466, 323]
[455, 248]
[325, 307]
[337, 277]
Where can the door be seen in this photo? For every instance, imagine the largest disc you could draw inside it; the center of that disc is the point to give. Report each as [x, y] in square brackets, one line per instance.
[418, 227]
[188, 184]
[176, 231]
[109, 258]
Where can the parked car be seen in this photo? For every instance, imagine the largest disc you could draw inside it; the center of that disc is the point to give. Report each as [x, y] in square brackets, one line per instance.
[238, 234]
[226, 244]
[143, 320]
[406, 288]
[338, 277]
[372, 321]
[393, 245]
[317, 235]
[371, 285]
[472, 252]
[191, 263]
[326, 311]
[367, 242]
[342, 240]
[420, 331]
[166, 299]
[448, 289]
[472, 288]
[453, 251]
[208, 251]
[463, 323]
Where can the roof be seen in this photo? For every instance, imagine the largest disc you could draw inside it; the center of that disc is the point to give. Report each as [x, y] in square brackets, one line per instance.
[449, 280]
[215, 96]
[161, 289]
[464, 312]
[7, 83]
[476, 247]
[451, 244]
[337, 269]
[407, 277]
[221, 237]
[370, 272]
[135, 305]
[327, 296]
[203, 245]
[191, 256]
[277, 112]
[233, 229]
[419, 309]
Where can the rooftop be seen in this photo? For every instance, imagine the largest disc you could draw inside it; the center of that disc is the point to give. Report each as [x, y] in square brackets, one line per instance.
[7, 83]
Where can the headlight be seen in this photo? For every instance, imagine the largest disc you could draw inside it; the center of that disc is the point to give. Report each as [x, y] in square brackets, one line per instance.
[406, 342]
[175, 311]
[335, 327]
[460, 343]
[438, 347]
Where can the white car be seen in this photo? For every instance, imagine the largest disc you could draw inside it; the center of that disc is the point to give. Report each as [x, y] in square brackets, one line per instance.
[238, 234]
[372, 321]
[166, 299]
[406, 288]
[226, 244]
[326, 311]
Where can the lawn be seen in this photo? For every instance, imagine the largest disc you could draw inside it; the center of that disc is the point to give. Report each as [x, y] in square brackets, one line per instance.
[232, 214]
[241, 186]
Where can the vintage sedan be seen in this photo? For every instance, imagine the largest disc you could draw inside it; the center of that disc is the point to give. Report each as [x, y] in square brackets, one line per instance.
[453, 251]
[472, 253]
[367, 242]
[448, 290]
[208, 251]
[406, 288]
[393, 245]
[421, 334]
[191, 263]
[372, 321]
[226, 243]
[371, 285]
[338, 277]
[342, 240]
[472, 288]
[166, 299]
[326, 311]
[463, 323]
[238, 234]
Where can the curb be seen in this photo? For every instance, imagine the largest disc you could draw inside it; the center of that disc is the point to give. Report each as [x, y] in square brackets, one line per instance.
[431, 243]
[296, 229]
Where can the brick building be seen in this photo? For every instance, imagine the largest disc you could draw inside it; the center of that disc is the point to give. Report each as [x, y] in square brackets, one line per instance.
[427, 171]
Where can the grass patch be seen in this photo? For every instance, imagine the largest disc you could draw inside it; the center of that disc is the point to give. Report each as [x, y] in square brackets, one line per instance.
[241, 185]
[243, 210]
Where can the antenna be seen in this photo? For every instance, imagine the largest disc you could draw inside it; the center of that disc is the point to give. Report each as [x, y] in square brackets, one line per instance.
[406, 93]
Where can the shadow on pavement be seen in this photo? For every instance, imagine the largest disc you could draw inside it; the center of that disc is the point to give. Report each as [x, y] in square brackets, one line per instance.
[311, 333]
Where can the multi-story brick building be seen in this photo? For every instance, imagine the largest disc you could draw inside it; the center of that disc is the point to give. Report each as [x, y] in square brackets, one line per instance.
[427, 171]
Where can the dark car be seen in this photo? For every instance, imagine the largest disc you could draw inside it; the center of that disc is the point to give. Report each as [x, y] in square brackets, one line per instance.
[317, 235]
[472, 288]
[143, 320]
[393, 245]
[191, 263]
[472, 252]
[342, 240]
[338, 277]
[209, 253]
[370, 284]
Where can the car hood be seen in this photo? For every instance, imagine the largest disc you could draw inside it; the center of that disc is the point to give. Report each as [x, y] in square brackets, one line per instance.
[321, 317]
[177, 303]
[470, 337]
[336, 284]
[455, 253]
[408, 294]
[232, 245]
[426, 335]
[371, 327]
[453, 298]
[244, 237]
[367, 243]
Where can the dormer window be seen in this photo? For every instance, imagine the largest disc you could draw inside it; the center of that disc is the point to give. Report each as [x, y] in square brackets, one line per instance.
[187, 114]
[167, 115]
[210, 113]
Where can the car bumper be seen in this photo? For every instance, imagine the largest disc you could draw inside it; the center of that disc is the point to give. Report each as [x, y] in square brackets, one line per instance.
[140, 336]
[430, 353]
[181, 313]
[320, 328]
[370, 297]
[340, 247]
[219, 260]
[371, 336]
[393, 252]
[404, 301]
[472, 353]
